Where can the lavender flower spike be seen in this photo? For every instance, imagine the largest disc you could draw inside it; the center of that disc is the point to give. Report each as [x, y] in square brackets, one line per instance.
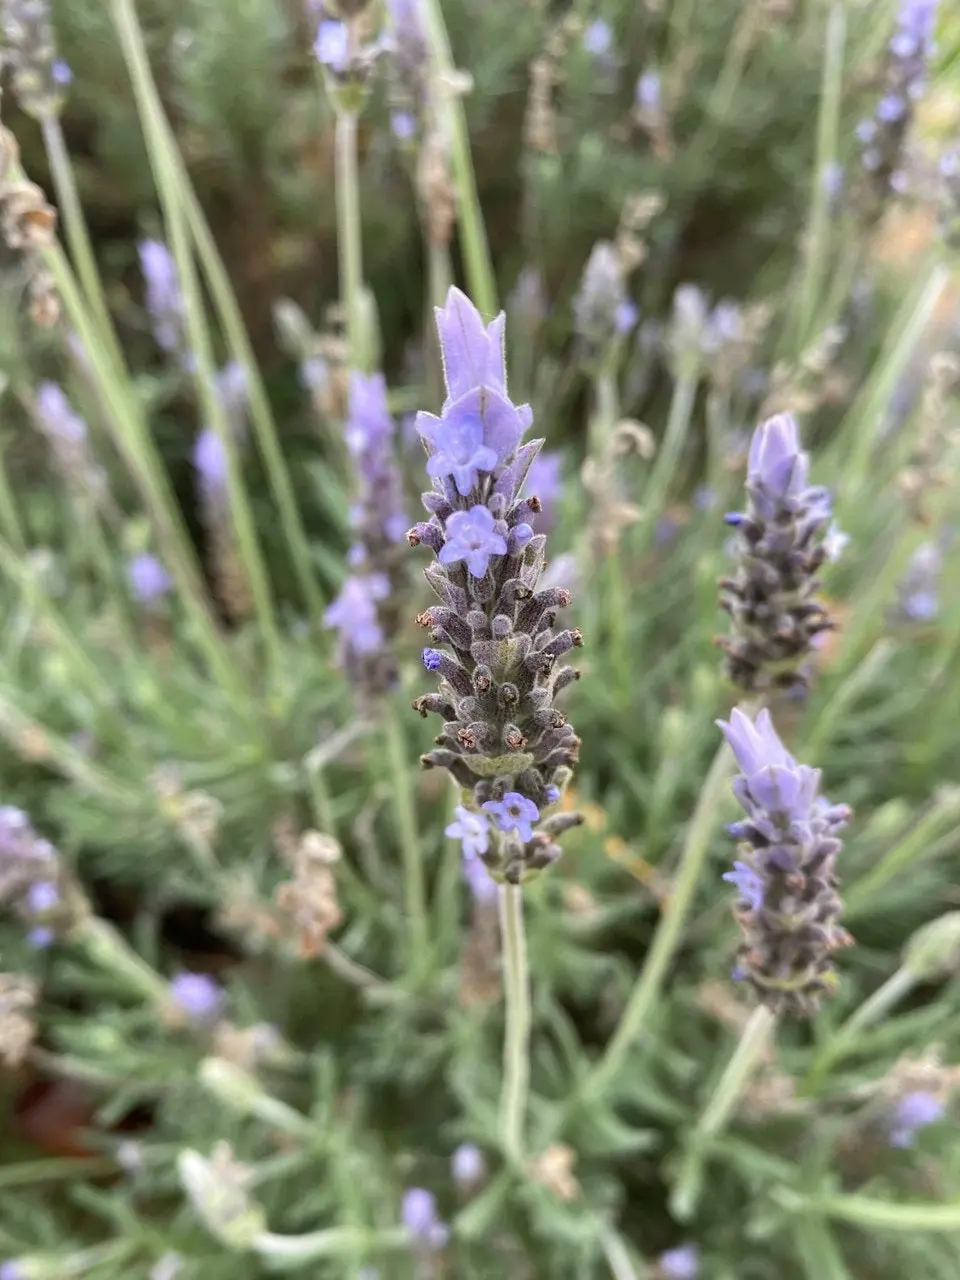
[789, 907]
[164, 298]
[780, 546]
[493, 645]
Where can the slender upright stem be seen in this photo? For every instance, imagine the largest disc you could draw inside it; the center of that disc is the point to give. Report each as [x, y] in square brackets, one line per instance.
[828, 128]
[516, 1045]
[349, 241]
[75, 225]
[414, 887]
[896, 988]
[746, 1057]
[668, 457]
[476, 251]
[198, 330]
[669, 931]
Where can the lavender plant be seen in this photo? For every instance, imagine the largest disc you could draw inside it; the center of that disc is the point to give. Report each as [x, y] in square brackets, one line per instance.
[242, 966]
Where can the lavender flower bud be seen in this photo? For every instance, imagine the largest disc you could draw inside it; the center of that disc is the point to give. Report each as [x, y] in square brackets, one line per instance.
[913, 1112]
[934, 950]
[497, 654]
[39, 76]
[602, 311]
[789, 907]
[409, 66]
[779, 545]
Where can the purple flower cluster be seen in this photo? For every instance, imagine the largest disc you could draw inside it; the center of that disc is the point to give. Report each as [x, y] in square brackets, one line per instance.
[409, 66]
[602, 309]
[29, 876]
[779, 547]
[883, 135]
[198, 997]
[786, 880]
[39, 76]
[149, 580]
[920, 587]
[681, 1263]
[379, 523]
[503, 739]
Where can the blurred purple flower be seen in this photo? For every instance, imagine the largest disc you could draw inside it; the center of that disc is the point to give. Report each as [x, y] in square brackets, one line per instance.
[164, 298]
[210, 461]
[467, 1165]
[598, 38]
[472, 830]
[148, 578]
[480, 882]
[418, 1213]
[198, 996]
[354, 612]
[545, 481]
[42, 897]
[913, 1112]
[747, 883]
[332, 46]
[682, 1263]
[649, 91]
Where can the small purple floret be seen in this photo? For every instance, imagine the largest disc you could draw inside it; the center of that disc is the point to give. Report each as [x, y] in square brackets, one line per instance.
[514, 813]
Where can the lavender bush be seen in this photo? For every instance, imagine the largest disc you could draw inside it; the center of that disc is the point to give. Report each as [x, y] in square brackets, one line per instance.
[289, 986]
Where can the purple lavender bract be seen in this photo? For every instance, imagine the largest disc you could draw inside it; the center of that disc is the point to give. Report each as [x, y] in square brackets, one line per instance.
[789, 907]
[779, 546]
[503, 740]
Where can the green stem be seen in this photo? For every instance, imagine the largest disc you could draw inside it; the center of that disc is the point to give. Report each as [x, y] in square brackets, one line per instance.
[864, 1211]
[349, 239]
[617, 1255]
[333, 1242]
[876, 1006]
[75, 225]
[476, 251]
[516, 1045]
[105, 946]
[841, 699]
[156, 134]
[915, 844]
[746, 1057]
[669, 931]
[828, 125]
[414, 887]
[10, 517]
[668, 457]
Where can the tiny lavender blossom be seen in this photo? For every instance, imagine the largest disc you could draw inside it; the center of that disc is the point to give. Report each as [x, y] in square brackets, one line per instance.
[468, 1166]
[164, 298]
[197, 996]
[66, 433]
[149, 580]
[780, 547]
[419, 1215]
[503, 740]
[682, 1263]
[913, 1112]
[472, 830]
[788, 907]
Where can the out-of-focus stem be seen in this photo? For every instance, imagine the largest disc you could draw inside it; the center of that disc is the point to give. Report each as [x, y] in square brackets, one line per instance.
[349, 240]
[415, 894]
[516, 1044]
[75, 225]
[746, 1057]
[669, 931]
[896, 988]
[476, 251]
